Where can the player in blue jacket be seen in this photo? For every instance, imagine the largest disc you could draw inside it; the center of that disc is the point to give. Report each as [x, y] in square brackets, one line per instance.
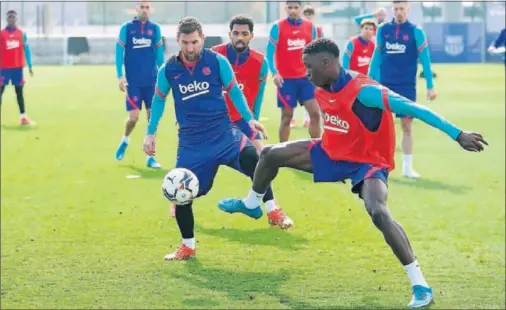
[207, 138]
[399, 45]
[140, 50]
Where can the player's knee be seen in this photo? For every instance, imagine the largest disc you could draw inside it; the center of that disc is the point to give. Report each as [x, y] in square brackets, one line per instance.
[380, 215]
[133, 117]
[19, 90]
[286, 117]
[406, 125]
[269, 155]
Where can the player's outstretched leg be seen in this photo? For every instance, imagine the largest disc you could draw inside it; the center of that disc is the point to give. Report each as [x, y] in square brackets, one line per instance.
[407, 148]
[186, 223]
[133, 117]
[284, 125]
[294, 154]
[276, 216]
[21, 104]
[315, 128]
[374, 194]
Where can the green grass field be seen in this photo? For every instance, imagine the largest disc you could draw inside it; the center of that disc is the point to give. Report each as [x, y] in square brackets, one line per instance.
[76, 233]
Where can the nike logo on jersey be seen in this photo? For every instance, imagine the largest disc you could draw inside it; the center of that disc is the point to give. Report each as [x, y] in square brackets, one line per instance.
[296, 31]
[395, 48]
[193, 90]
[12, 44]
[141, 42]
[296, 44]
[334, 123]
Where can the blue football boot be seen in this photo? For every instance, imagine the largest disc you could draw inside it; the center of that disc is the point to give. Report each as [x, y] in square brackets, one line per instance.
[422, 297]
[237, 205]
[152, 163]
[120, 151]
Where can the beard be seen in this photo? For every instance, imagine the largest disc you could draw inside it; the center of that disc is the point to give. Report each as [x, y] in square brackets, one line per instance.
[191, 57]
[240, 48]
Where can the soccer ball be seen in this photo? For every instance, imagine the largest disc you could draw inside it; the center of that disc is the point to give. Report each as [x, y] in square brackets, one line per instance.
[180, 186]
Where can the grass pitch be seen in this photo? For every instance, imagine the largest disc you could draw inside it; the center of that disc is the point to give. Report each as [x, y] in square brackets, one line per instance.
[76, 233]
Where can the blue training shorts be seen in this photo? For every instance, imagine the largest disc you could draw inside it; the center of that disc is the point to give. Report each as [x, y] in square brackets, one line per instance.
[205, 159]
[326, 169]
[405, 91]
[136, 95]
[13, 76]
[293, 91]
[246, 129]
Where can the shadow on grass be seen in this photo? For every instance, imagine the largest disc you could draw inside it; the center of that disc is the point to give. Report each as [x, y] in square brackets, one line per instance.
[246, 286]
[18, 127]
[238, 286]
[272, 236]
[145, 172]
[430, 184]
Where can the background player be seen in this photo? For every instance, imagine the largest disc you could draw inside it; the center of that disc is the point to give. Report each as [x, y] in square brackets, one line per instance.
[358, 53]
[207, 138]
[499, 42]
[140, 49]
[309, 13]
[14, 54]
[399, 45]
[358, 143]
[287, 38]
[251, 71]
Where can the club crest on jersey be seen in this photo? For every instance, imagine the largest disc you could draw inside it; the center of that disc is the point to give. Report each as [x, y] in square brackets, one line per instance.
[12, 44]
[206, 71]
[141, 42]
[296, 44]
[334, 123]
[395, 48]
[193, 89]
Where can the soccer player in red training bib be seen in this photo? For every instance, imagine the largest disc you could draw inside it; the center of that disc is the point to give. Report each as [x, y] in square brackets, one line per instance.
[358, 53]
[140, 50]
[399, 45]
[287, 38]
[358, 143]
[14, 54]
[309, 14]
[251, 71]
[207, 139]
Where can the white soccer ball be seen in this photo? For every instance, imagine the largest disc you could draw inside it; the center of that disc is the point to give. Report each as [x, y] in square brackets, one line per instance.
[180, 186]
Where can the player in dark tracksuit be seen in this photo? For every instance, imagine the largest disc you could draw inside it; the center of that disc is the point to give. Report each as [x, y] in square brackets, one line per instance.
[399, 45]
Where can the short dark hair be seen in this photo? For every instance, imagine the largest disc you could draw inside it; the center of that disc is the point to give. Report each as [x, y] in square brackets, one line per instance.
[10, 12]
[322, 45]
[189, 25]
[308, 10]
[242, 20]
[399, 1]
[298, 2]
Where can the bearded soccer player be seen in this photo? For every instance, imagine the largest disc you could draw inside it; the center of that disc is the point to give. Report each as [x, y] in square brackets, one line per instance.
[287, 38]
[309, 14]
[359, 49]
[399, 45]
[358, 143]
[14, 54]
[251, 71]
[207, 138]
[140, 50]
